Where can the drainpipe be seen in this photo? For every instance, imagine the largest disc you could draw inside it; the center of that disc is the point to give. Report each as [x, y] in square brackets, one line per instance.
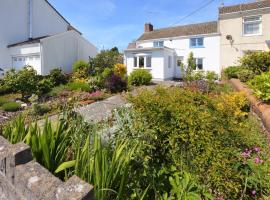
[30, 16]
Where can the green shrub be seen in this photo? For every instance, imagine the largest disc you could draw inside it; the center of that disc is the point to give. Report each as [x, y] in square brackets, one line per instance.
[231, 72]
[11, 106]
[40, 110]
[242, 73]
[95, 83]
[79, 86]
[245, 74]
[57, 77]
[58, 90]
[105, 59]
[200, 134]
[106, 73]
[44, 86]
[3, 101]
[140, 77]
[261, 86]
[80, 69]
[257, 62]
[24, 81]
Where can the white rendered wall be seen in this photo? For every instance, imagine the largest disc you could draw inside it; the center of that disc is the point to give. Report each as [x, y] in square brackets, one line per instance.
[210, 52]
[14, 28]
[157, 63]
[62, 50]
[46, 21]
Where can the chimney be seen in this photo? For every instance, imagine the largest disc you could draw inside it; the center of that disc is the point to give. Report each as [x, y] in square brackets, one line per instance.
[148, 27]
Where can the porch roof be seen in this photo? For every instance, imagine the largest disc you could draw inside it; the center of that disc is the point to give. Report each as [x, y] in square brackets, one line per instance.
[148, 49]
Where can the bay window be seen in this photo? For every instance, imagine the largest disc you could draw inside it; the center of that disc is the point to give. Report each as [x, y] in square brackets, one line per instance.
[143, 61]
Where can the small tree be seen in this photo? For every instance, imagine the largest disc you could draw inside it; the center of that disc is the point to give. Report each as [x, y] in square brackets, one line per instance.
[24, 81]
[105, 59]
[189, 68]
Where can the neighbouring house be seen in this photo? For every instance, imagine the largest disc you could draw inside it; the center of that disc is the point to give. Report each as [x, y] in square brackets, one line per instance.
[34, 33]
[244, 28]
[161, 51]
[240, 29]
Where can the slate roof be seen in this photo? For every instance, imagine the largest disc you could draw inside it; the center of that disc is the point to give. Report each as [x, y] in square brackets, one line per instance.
[30, 41]
[186, 30]
[244, 7]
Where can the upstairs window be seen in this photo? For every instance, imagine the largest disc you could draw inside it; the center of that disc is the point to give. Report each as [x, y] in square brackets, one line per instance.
[196, 42]
[252, 25]
[159, 44]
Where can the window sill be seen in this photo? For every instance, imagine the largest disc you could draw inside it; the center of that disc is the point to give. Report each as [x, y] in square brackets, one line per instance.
[148, 68]
[199, 47]
[250, 35]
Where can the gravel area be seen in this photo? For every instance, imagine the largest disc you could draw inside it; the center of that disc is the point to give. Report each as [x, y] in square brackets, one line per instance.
[5, 116]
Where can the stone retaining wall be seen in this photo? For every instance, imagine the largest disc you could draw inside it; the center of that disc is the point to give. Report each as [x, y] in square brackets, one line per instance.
[260, 108]
[21, 178]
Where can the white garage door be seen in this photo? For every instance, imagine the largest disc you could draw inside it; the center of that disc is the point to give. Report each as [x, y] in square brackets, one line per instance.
[19, 62]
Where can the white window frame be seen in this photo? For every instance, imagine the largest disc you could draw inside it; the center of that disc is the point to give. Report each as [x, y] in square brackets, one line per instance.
[146, 65]
[250, 22]
[158, 44]
[196, 60]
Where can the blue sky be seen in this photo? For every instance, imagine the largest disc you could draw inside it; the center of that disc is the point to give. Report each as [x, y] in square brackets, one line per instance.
[109, 23]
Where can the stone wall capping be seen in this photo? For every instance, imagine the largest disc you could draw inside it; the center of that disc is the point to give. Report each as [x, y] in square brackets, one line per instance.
[22, 178]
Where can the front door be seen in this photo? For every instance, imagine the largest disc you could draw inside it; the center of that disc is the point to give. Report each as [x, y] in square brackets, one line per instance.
[179, 62]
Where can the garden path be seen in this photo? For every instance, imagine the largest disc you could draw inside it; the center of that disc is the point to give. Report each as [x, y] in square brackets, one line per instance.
[100, 110]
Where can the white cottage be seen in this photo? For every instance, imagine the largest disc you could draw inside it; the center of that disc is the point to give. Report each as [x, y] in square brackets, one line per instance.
[34, 33]
[161, 51]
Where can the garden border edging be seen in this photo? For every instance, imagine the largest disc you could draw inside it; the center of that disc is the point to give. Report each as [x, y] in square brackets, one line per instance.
[260, 108]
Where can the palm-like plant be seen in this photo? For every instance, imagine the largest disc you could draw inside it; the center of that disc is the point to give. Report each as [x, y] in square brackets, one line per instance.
[107, 170]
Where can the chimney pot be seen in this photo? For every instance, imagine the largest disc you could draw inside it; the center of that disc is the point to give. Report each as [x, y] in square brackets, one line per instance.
[148, 27]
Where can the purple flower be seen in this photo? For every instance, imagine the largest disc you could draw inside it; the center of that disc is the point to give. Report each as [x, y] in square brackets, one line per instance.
[257, 149]
[257, 160]
[246, 153]
[253, 192]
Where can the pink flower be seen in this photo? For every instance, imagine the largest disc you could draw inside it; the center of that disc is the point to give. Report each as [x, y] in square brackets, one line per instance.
[246, 153]
[257, 160]
[257, 149]
[253, 192]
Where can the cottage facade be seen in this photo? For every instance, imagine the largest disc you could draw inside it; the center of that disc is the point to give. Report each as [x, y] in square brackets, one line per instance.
[34, 33]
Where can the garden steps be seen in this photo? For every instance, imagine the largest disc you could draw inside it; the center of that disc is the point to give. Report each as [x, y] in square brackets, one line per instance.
[260, 108]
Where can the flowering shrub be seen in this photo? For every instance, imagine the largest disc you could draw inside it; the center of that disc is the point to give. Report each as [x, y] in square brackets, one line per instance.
[197, 133]
[257, 62]
[254, 172]
[120, 70]
[96, 96]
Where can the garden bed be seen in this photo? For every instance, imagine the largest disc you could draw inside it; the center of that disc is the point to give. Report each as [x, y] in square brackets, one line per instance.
[260, 108]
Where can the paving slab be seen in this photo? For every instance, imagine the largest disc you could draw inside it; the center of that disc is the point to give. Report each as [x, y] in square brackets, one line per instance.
[101, 110]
